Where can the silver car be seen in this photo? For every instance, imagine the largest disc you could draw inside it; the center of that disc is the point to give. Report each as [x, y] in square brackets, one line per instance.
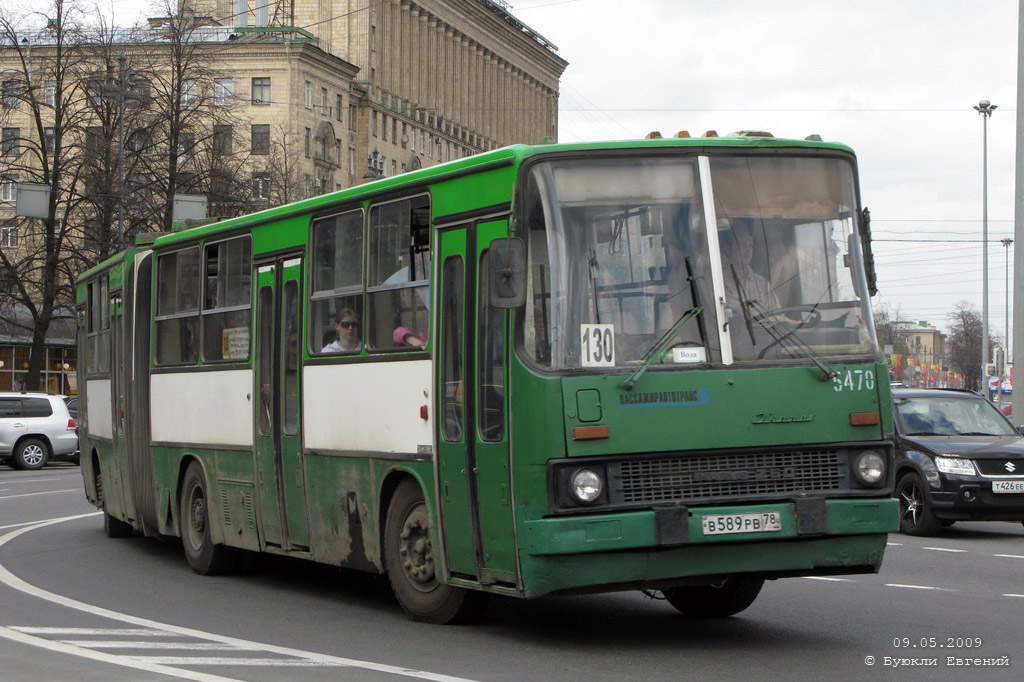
[35, 427]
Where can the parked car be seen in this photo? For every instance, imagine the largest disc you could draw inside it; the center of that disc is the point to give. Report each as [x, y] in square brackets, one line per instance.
[35, 428]
[957, 458]
[72, 403]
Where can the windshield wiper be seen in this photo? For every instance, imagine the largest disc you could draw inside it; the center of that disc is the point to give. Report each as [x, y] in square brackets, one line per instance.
[924, 433]
[658, 348]
[827, 371]
[744, 304]
[977, 433]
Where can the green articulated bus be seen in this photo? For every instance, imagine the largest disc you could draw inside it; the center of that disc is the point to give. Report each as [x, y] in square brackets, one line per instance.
[541, 370]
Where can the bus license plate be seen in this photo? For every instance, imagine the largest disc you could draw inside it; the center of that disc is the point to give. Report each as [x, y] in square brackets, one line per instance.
[722, 524]
[1008, 486]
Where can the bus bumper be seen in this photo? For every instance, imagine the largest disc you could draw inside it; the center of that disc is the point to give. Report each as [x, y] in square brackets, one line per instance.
[652, 548]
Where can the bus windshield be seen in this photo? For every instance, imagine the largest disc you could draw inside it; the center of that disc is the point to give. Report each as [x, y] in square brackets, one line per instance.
[621, 261]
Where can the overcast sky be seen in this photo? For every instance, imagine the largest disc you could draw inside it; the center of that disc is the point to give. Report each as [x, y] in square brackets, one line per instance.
[894, 79]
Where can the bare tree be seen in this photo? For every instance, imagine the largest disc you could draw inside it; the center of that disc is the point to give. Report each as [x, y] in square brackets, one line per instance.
[43, 81]
[964, 343]
[887, 326]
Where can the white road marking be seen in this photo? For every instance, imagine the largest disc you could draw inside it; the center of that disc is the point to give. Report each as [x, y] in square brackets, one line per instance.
[48, 492]
[832, 580]
[39, 480]
[1021, 596]
[17, 583]
[128, 644]
[104, 657]
[944, 549]
[104, 632]
[201, 660]
[894, 544]
[1010, 556]
[921, 587]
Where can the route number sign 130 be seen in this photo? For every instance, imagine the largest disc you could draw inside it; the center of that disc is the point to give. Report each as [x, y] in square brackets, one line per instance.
[597, 345]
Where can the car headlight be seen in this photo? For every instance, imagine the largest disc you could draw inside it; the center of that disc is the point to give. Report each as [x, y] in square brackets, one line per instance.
[955, 465]
[586, 485]
[869, 468]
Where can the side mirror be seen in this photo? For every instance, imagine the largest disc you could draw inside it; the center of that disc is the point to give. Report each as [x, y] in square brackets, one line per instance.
[508, 272]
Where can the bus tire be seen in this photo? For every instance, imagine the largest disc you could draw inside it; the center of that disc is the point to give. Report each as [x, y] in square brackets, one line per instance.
[31, 453]
[916, 515]
[113, 527]
[203, 555]
[715, 601]
[410, 564]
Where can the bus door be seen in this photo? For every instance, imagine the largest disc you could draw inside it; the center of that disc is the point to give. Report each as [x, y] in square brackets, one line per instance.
[472, 409]
[279, 465]
[119, 445]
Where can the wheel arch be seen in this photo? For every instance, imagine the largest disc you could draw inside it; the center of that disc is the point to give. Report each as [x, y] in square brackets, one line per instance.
[213, 509]
[388, 485]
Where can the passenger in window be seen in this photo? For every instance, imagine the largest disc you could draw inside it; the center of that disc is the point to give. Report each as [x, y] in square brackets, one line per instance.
[346, 328]
[406, 337]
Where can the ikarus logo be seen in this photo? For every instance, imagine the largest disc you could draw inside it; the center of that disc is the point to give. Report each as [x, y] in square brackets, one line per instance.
[769, 418]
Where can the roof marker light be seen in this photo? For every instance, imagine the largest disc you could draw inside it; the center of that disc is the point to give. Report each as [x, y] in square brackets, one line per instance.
[654, 135]
[751, 133]
[814, 137]
[683, 133]
[711, 133]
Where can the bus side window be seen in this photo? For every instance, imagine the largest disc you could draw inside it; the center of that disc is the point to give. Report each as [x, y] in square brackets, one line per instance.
[336, 304]
[399, 271]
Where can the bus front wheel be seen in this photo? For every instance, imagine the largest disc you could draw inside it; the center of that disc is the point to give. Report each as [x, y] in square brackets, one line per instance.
[410, 564]
[715, 601]
[204, 556]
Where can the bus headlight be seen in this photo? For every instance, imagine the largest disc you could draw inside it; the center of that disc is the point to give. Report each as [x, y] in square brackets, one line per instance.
[869, 468]
[586, 485]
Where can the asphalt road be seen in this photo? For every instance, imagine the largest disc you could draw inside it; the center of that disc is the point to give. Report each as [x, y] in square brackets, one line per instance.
[75, 605]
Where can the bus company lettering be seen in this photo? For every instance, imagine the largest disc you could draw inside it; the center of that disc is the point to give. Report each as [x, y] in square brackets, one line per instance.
[769, 418]
[759, 474]
[660, 398]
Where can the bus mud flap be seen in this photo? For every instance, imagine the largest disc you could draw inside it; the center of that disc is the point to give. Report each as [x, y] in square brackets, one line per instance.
[672, 525]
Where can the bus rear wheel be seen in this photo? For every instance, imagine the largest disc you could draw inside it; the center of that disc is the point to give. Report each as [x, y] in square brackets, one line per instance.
[203, 555]
[715, 601]
[409, 560]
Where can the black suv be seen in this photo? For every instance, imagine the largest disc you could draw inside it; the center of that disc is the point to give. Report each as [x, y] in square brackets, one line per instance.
[957, 458]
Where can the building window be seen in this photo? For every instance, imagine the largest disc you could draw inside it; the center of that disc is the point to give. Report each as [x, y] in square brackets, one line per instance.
[306, 141]
[188, 92]
[323, 102]
[222, 139]
[373, 124]
[11, 94]
[50, 140]
[261, 185]
[223, 92]
[9, 234]
[384, 127]
[261, 90]
[9, 188]
[337, 107]
[186, 141]
[309, 95]
[138, 141]
[260, 139]
[50, 93]
[351, 117]
[11, 141]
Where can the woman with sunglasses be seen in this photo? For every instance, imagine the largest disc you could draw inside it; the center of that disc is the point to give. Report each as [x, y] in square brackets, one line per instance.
[346, 326]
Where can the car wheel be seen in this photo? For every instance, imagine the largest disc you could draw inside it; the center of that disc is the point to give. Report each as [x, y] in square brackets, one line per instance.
[916, 515]
[31, 453]
[409, 560]
[204, 556]
[715, 601]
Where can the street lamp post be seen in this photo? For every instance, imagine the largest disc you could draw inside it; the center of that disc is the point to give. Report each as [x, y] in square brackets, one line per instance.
[1006, 242]
[985, 109]
[374, 167]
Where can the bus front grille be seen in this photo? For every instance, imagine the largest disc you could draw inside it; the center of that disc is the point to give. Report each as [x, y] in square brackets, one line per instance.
[701, 477]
